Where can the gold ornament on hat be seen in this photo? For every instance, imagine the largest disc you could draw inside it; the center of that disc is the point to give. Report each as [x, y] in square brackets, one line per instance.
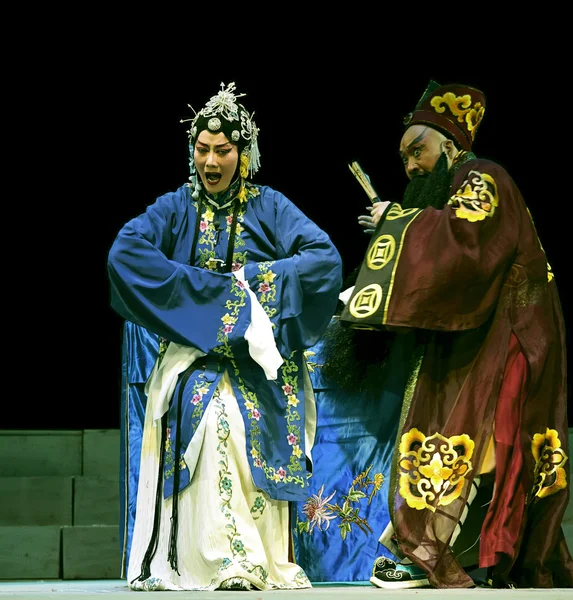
[461, 107]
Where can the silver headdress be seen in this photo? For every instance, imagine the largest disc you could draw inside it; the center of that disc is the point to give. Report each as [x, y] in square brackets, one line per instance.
[223, 113]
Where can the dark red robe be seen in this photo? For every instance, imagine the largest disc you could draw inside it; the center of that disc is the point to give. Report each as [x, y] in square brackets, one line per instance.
[475, 279]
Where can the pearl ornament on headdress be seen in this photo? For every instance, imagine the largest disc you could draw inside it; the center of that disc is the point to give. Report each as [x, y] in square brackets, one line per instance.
[214, 124]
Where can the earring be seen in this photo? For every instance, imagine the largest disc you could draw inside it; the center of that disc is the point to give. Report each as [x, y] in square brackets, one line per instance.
[244, 169]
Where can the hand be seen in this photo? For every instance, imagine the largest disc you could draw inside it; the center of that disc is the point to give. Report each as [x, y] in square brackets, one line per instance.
[369, 222]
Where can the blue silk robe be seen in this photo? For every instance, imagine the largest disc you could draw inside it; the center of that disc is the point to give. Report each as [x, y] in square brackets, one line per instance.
[294, 270]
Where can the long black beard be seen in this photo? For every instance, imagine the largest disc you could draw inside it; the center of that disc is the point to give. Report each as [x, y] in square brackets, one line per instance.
[354, 359]
[432, 189]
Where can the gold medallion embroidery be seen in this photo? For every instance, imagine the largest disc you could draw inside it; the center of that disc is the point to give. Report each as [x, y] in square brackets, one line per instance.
[366, 302]
[381, 252]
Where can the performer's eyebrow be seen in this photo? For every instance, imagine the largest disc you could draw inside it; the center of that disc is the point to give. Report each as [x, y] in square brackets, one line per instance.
[216, 145]
[417, 139]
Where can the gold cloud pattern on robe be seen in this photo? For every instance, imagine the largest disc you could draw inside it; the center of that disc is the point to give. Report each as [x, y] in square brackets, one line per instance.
[477, 198]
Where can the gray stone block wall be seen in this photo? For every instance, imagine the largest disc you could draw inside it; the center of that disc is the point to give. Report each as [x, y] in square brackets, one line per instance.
[36, 500]
[29, 552]
[101, 452]
[40, 453]
[59, 505]
[96, 501]
[91, 552]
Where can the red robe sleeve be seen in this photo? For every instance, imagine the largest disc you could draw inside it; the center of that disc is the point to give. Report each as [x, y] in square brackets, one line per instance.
[441, 269]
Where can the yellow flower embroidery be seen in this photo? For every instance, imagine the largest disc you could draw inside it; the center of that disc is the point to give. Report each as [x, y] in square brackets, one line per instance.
[228, 319]
[284, 474]
[549, 476]
[211, 264]
[433, 469]
[436, 472]
[293, 400]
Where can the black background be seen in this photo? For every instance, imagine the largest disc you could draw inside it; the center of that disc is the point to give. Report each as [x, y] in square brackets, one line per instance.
[100, 138]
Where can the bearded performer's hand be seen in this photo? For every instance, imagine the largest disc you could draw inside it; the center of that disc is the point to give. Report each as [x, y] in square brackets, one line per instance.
[369, 222]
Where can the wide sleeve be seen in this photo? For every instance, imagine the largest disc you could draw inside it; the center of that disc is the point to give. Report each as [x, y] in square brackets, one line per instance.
[184, 304]
[299, 290]
[441, 269]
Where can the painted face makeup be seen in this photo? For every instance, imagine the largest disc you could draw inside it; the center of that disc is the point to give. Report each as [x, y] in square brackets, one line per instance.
[216, 161]
[420, 148]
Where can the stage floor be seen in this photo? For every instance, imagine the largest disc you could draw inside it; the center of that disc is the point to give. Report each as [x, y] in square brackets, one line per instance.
[117, 589]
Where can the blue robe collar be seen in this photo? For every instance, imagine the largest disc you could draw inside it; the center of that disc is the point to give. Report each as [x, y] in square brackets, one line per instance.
[226, 197]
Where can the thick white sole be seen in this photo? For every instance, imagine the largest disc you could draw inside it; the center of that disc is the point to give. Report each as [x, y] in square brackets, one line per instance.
[399, 585]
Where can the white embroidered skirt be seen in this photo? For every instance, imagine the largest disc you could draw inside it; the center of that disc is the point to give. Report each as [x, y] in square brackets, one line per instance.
[227, 528]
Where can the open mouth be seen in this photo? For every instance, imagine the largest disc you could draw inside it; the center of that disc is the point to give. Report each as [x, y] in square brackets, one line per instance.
[213, 178]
